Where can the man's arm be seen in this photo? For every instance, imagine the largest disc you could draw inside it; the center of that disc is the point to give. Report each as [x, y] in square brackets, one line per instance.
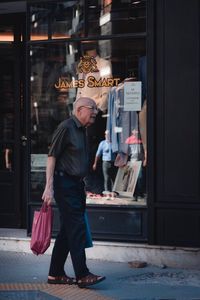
[48, 194]
[98, 155]
[95, 163]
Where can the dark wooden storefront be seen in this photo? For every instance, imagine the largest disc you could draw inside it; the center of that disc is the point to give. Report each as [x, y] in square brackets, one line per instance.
[13, 119]
[172, 216]
[173, 117]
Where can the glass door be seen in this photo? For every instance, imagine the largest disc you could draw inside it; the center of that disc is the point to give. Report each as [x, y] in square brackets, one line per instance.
[11, 107]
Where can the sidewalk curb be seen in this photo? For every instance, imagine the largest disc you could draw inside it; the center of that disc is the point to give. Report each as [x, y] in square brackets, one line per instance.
[176, 257]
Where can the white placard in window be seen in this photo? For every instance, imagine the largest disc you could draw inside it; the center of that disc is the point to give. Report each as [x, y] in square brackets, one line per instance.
[132, 96]
[38, 162]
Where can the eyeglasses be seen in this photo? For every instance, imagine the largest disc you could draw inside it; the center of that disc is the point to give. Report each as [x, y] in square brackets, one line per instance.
[90, 107]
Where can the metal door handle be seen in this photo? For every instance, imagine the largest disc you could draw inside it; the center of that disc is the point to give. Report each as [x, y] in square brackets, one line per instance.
[23, 138]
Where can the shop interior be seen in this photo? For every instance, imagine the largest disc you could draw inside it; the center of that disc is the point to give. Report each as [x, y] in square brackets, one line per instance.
[110, 70]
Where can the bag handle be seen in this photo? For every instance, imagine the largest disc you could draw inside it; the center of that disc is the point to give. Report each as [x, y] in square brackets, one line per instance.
[45, 207]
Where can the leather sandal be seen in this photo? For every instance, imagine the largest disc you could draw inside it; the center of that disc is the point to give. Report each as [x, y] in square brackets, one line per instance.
[90, 279]
[62, 280]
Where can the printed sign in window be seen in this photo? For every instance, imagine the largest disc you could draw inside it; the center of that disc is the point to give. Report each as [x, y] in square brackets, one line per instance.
[38, 162]
[132, 96]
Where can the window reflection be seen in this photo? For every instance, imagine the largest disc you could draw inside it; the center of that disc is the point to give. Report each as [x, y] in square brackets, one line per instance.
[61, 19]
[7, 101]
[68, 19]
[39, 22]
[6, 126]
[116, 17]
[65, 19]
[38, 177]
[111, 71]
[37, 185]
[51, 98]
[104, 70]
[98, 69]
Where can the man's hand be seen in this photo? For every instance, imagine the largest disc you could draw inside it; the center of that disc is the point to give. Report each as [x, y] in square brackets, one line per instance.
[48, 195]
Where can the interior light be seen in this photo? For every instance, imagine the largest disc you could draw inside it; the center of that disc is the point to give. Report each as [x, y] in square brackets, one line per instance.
[70, 49]
[38, 37]
[33, 18]
[6, 37]
[35, 25]
[60, 36]
[76, 14]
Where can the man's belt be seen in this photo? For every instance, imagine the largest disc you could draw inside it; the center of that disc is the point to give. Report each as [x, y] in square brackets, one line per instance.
[62, 173]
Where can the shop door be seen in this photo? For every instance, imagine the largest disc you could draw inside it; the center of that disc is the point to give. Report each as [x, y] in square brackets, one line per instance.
[11, 108]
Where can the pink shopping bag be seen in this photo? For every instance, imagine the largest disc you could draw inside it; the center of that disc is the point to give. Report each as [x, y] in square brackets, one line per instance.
[41, 229]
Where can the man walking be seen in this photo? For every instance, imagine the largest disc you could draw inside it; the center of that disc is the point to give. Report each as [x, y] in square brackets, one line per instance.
[67, 165]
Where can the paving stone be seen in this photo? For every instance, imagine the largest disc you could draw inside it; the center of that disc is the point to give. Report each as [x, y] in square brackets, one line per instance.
[26, 295]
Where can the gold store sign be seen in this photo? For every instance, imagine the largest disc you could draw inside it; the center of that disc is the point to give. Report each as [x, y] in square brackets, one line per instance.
[91, 82]
[86, 65]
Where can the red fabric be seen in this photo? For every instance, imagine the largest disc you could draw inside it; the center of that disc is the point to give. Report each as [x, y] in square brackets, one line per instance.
[133, 140]
[41, 229]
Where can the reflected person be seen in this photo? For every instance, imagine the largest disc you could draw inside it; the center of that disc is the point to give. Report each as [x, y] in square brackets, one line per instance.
[108, 157]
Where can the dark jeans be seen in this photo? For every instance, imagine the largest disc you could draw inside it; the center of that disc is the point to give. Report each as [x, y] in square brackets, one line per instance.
[71, 200]
[109, 174]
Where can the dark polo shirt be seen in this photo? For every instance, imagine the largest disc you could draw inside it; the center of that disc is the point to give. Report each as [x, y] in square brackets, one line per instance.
[69, 147]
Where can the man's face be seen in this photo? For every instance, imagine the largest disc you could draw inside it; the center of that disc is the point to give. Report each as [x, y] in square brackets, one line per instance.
[87, 114]
[135, 132]
[107, 136]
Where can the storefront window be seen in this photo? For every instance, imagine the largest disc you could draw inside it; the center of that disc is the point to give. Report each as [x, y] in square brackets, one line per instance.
[39, 19]
[7, 114]
[108, 71]
[67, 20]
[116, 17]
[78, 18]
[56, 20]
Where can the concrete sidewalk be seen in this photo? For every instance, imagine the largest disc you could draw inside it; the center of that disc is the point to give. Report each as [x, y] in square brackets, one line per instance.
[23, 277]
[176, 257]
